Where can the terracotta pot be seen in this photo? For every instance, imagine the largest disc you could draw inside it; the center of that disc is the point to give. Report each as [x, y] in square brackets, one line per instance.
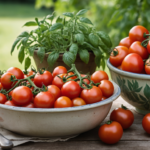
[80, 65]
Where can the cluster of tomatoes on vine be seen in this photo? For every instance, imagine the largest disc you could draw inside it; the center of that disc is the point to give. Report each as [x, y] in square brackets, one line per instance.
[133, 52]
[58, 89]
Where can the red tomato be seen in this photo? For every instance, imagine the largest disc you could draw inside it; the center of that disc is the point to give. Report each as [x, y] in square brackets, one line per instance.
[63, 102]
[136, 47]
[71, 89]
[147, 66]
[106, 87]
[1, 86]
[45, 78]
[5, 80]
[119, 67]
[136, 33]
[22, 95]
[44, 100]
[111, 132]
[30, 73]
[30, 105]
[17, 72]
[103, 98]
[54, 90]
[133, 63]
[92, 95]
[98, 76]
[78, 101]
[117, 55]
[3, 98]
[59, 70]
[148, 47]
[10, 103]
[85, 80]
[126, 42]
[146, 123]
[122, 115]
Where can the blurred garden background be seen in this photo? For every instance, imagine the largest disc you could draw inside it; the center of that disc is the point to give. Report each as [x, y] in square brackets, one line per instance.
[115, 17]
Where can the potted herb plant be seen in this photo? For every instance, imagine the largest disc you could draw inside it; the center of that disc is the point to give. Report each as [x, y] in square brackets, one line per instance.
[63, 41]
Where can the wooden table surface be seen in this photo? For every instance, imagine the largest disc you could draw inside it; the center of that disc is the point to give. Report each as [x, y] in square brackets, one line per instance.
[133, 138]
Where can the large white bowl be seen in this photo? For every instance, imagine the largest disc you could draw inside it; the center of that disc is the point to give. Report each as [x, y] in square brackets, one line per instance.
[55, 122]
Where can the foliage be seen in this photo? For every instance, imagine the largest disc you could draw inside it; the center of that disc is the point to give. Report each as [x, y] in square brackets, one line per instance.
[72, 36]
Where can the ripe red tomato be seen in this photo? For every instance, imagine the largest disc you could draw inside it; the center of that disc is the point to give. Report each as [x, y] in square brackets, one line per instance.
[103, 98]
[30, 105]
[59, 70]
[122, 115]
[126, 42]
[119, 67]
[54, 90]
[148, 47]
[63, 102]
[111, 132]
[30, 73]
[17, 72]
[98, 76]
[1, 86]
[117, 55]
[78, 101]
[92, 95]
[147, 66]
[10, 103]
[133, 63]
[146, 123]
[71, 89]
[69, 74]
[136, 33]
[3, 98]
[85, 80]
[44, 100]
[5, 80]
[45, 78]
[21, 95]
[106, 87]
[136, 47]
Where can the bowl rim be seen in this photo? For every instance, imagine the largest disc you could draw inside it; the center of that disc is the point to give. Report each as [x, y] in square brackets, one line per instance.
[125, 73]
[115, 95]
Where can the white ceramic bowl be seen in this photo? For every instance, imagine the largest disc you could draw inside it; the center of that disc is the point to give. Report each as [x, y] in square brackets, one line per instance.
[55, 122]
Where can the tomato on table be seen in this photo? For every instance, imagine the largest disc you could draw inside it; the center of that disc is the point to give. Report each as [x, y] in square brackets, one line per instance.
[17, 72]
[59, 70]
[78, 101]
[111, 132]
[146, 123]
[122, 115]
[126, 42]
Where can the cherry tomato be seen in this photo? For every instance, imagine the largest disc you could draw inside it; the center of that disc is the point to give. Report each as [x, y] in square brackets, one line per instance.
[117, 55]
[148, 47]
[136, 47]
[122, 115]
[137, 33]
[45, 78]
[44, 100]
[1, 86]
[85, 80]
[10, 103]
[147, 66]
[111, 132]
[146, 123]
[78, 101]
[30, 73]
[22, 95]
[106, 87]
[103, 98]
[54, 90]
[30, 105]
[71, 89]
[58, 81]
[92, 95]
[69, 74]
[59, 70]
[3, 98]
[119, 67]
[17, 72]
[5, 80]
[126, 42]
[133, 63]
[98, 76]
[62, 102]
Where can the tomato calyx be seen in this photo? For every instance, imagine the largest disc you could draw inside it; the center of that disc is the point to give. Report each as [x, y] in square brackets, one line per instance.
[114, 52]
[124, 107]
[145, 42]
[109, 122]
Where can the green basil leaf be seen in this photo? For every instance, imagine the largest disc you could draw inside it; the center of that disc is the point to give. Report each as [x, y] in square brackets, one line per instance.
[104, 47]
[84, 56]
[50, 17]
[105, 38]
[97, 52]
[94, 40]
[59, 19]
[103, 63]
[74, 48]
[98, 60]
[31, 50]
[52, 58]
[69, 58]
[18, 46]
[56, 26]
[21, 54]
[24, 41]
[83, 29]
[27, 63]
[79, 38]
[68, 14]
[81, 12]
[24, 34]
[15, 43]
[85, 20]
[41, 53]
[37, 21]
[30, 23]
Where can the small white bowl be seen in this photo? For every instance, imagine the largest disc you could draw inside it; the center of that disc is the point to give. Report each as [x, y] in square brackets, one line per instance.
[55, 122]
